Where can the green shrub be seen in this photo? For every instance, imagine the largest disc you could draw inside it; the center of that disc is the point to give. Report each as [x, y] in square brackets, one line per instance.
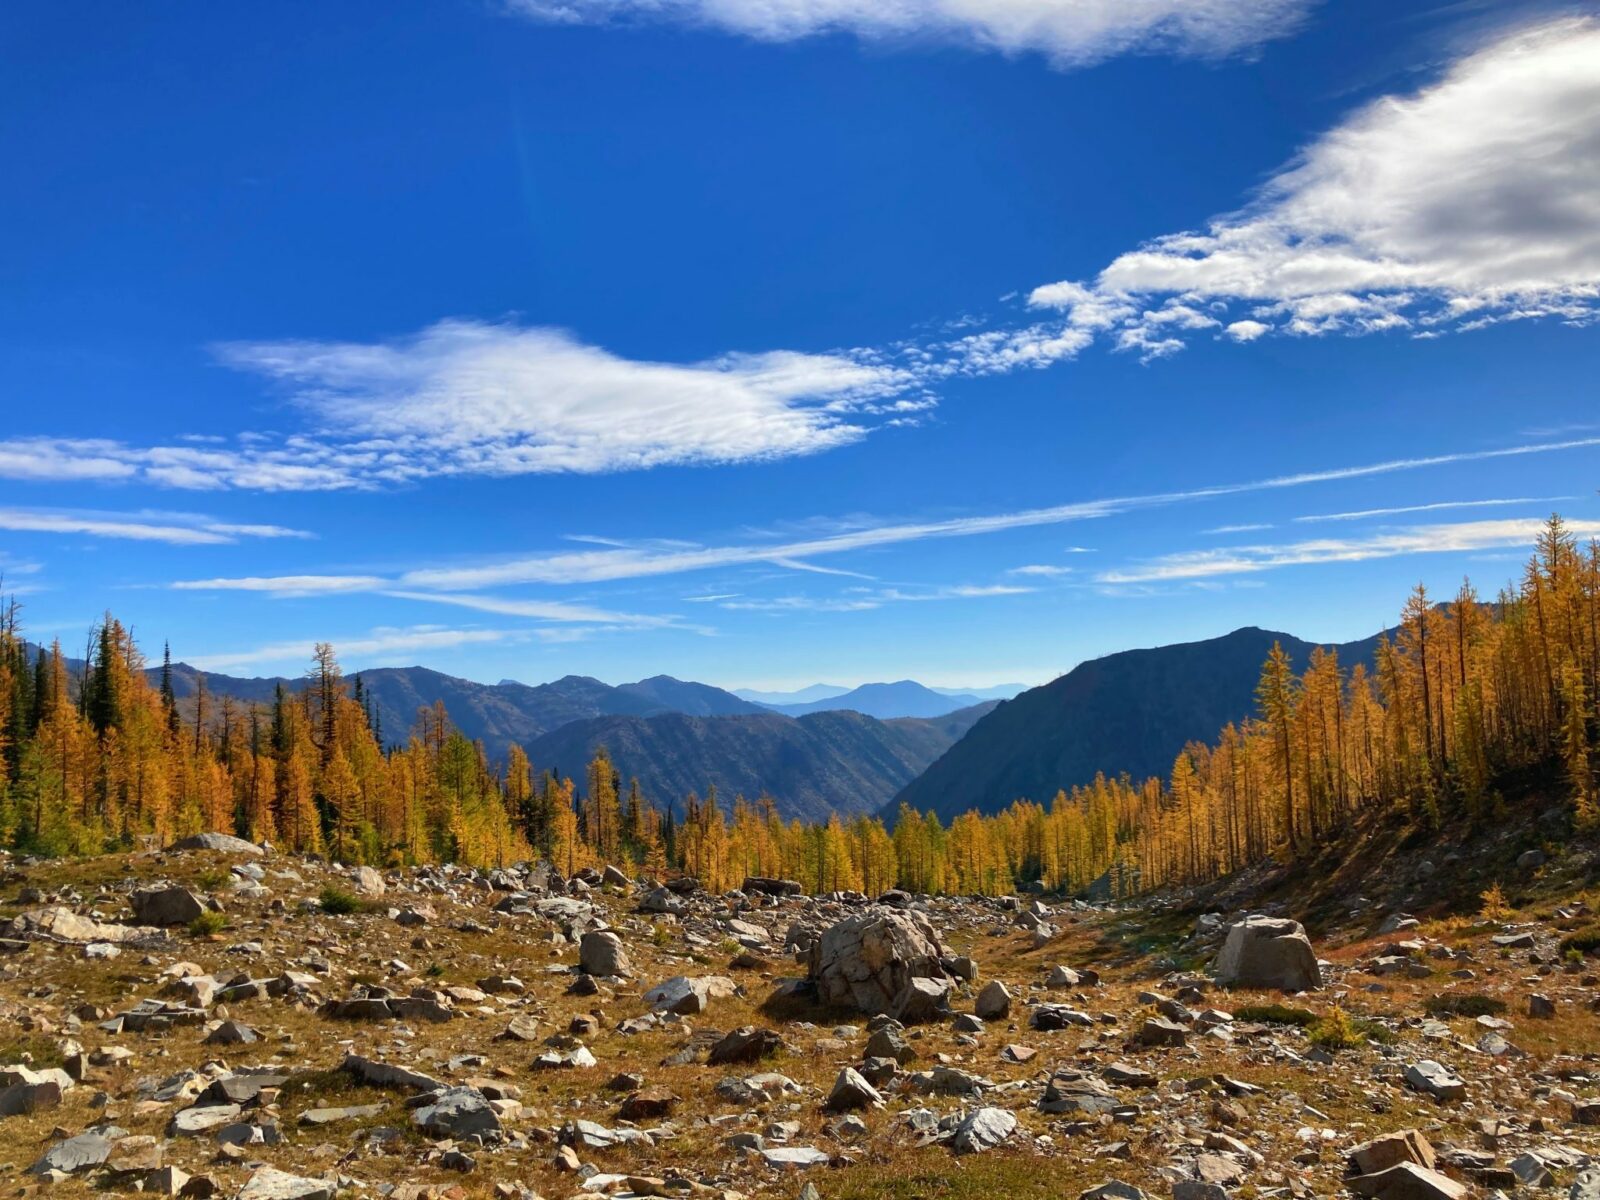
[337, 900]
[207, 924]
[1464, 1004]
[1584, 941]
[211, 880]
[1275, 1014]
[1338, 1030]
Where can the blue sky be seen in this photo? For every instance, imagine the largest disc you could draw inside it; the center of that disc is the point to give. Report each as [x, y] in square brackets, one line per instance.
[772, 341]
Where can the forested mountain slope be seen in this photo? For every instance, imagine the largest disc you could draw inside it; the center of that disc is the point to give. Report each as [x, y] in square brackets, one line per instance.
[811, 765]
[1127, 712]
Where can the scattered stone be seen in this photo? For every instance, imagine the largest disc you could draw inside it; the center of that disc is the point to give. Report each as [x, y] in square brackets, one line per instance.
[270, 1184]
[747, 1044]
[851, 1091]
[457, 1112]
[983, 1129]
[1436, 1080]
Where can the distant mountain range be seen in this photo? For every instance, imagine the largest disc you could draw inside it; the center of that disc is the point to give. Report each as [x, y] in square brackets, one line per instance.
[852, 750]
[1129, 712]
[907, 698]
[811, 765]
[674, 736]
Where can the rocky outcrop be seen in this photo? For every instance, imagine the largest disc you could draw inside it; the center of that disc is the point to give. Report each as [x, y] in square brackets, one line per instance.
[867, 961]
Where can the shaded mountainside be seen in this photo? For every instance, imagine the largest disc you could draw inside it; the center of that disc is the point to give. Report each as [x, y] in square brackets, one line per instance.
[1128, 712]
[811, 765]
[907, 698]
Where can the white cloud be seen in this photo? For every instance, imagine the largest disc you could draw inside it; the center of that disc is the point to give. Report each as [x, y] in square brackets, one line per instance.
[1041, 570]
[1473, 200]
[1247, 528]
[475, 398]
[1068, 32]
[175, 529]
[1420, 539]
[468, 397]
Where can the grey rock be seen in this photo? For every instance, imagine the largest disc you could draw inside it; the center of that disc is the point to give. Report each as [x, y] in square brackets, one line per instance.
[269, 1183]
[601, 952]
[1268, 952]
[458, 1112]
[167, 906]
[983, 1129]
[75, 1154]
[994, 1001]
[1436, 1079]
[851, 1091]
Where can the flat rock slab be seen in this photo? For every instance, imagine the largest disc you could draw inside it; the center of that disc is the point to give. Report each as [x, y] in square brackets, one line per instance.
[270, 1184]
[794, 1156]
[332, 1116]
[75, 1154]
[221, 842]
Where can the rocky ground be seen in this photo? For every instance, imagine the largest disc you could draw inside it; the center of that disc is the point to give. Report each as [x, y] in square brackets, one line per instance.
[223, 1021]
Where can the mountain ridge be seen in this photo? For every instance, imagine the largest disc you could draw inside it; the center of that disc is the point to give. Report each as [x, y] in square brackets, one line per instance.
[1113, 715]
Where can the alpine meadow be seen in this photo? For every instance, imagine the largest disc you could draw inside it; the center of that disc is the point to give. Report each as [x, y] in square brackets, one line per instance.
[823, 599]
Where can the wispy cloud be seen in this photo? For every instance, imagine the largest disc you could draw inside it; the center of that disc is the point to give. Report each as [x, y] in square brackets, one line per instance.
[1068, 32]
[629, 562]
[284, 585]
[1357, 234]
[1420, 539]
[1042, 570]
[1253, 528]
[1364, 513]
[176, 529]
[865, 599]
[539, 610]
[377, 646]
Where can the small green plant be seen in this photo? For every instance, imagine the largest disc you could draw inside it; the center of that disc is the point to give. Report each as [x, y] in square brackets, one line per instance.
[208, 924]
[434, 971]
[1573, 955]
[661, 935]
[211, 880]
[337, 900]
[1464, 1004]
[1584, 941]
[1276, 1014]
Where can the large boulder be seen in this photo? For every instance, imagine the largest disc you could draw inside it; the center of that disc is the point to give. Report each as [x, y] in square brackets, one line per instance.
[1268, 952]
[867, 961]
[601, 952]
[166, 906]
[223, 843]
